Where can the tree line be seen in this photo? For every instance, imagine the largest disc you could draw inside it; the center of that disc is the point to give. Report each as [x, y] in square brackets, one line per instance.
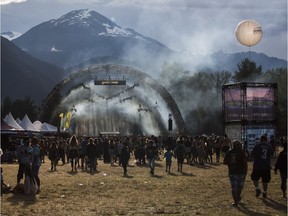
[199, 94]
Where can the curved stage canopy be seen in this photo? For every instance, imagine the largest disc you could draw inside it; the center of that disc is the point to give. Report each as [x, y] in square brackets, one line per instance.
[111, 98]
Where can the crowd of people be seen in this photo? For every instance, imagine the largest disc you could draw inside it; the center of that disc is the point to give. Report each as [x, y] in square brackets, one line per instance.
[84, 152]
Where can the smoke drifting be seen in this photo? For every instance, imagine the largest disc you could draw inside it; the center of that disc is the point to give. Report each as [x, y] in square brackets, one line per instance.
[134, 108]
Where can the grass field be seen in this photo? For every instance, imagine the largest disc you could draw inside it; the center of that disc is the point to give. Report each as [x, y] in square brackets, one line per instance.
[200, 190]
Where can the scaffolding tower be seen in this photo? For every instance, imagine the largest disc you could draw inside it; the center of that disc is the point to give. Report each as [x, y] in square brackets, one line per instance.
[249, 111]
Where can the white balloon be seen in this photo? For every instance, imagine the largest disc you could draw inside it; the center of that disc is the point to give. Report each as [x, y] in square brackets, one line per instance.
[249, 32]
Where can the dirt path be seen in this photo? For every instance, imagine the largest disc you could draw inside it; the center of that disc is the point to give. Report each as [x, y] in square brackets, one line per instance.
[201, 190]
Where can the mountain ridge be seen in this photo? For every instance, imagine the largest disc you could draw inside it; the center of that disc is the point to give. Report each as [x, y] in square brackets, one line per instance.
[25, 76]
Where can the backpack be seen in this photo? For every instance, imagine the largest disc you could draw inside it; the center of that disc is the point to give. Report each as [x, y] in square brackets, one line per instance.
[30, 185]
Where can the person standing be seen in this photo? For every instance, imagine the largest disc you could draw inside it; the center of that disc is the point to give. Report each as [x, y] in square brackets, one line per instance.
[236, 160]
[151, 154]
[218, 147]
[83, 147]
[62, 148]
[91, 153]
[180, 154]
[168, 155]
[281, 165]
[36, 160]
[226, 144]
[124, 157]
[53, 155]
[23, 154]
[112, 151]
[43, 150]
[73, 152]
[273, 144]
[119, 147]
[261, 153]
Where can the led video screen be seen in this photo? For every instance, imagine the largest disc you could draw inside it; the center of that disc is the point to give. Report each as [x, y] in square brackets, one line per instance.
[252, 103]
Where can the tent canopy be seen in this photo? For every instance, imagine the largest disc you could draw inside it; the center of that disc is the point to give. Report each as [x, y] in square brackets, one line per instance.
[11, 122]
[27, 125]
[48, 128]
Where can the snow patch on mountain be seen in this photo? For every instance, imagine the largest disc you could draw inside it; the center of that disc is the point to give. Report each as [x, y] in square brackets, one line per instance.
[82, 17]
[53, 49]
[118, 31]
[10, 35]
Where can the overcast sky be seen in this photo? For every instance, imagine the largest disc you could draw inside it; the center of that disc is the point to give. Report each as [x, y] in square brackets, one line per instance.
[200, 26]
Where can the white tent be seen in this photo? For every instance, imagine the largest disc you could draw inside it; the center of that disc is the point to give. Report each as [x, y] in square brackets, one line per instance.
[45, 127]
[26, 124]
[37, 124]
[5, 118]
[48, 128]
[18, 121]
[11, 121]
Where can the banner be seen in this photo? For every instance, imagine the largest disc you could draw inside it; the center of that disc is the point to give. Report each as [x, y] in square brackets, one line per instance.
[67, 122]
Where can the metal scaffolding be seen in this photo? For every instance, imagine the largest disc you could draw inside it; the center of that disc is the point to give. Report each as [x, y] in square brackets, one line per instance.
[249, 110]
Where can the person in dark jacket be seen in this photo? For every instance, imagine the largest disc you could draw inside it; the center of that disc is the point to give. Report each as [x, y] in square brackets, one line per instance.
[151, 154]
[180, 154]
[91, 153]
[124, 157]
[54, 155]
[236, 160]
[281, 165]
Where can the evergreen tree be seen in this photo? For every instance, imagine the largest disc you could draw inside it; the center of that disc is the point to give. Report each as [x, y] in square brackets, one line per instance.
[247, 71]
[19, 108]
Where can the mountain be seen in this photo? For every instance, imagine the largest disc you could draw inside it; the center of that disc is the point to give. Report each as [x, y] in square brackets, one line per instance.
[83, 34]
[84, 37]
[10, 35]
[23, 75]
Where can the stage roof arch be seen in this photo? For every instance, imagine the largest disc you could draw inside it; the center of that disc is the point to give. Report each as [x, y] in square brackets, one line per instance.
[100, 97]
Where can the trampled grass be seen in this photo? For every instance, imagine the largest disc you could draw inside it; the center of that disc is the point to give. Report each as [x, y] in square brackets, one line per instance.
[200, 190]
